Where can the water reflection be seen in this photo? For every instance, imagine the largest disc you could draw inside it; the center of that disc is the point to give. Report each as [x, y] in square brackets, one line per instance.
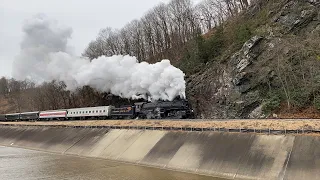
[18, 163]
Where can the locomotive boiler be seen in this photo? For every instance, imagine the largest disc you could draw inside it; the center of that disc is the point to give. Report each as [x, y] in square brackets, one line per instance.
[177, 109]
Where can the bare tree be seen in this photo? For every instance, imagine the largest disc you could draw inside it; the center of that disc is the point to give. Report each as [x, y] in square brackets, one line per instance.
[92, 50]
[164, 30]
[3, 86]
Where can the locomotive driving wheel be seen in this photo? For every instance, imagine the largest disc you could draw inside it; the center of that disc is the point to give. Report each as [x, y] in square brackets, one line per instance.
[150, 115]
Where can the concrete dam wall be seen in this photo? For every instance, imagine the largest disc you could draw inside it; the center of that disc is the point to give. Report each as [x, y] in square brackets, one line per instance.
[229, 155]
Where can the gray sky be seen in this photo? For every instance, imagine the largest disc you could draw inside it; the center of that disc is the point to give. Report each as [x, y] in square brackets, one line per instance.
[85, 17]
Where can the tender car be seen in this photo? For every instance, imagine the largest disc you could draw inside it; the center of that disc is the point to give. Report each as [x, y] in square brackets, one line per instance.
[125, 112]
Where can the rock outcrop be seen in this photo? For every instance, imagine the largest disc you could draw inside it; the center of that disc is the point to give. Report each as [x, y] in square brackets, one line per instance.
[235, 87]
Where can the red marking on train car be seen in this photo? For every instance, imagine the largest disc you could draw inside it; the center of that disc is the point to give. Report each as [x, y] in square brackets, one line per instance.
[53, 114]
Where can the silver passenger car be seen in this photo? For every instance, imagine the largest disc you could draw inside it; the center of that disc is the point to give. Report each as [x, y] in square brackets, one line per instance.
[99, 112]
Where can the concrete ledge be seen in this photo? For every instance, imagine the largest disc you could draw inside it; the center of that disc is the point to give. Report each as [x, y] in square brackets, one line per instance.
[221, 154]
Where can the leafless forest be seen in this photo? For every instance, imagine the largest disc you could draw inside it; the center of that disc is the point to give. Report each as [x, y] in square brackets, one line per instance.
[164, 30]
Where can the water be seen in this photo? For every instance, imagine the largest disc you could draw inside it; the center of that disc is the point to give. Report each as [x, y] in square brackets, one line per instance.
[16, 163]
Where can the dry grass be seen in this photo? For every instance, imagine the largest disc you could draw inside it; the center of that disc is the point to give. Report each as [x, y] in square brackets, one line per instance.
[254, 124]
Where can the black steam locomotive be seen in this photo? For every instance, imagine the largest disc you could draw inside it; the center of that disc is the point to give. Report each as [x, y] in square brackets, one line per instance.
[176, 109]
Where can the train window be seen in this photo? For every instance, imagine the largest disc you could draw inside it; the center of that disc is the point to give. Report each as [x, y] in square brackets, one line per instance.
[97, 111]
[89, 111]
[104, 110]
[86, 111]
[100, 111]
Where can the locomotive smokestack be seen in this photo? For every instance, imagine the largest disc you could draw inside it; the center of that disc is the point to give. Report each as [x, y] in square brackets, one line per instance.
[44, 57]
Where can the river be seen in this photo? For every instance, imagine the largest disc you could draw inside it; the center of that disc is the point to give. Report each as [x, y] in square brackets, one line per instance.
[16, 163]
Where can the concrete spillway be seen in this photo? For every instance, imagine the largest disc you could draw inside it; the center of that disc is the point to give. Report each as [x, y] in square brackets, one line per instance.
[229, 155]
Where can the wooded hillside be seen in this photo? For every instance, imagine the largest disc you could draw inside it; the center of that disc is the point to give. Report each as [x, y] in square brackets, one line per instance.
[243, 59]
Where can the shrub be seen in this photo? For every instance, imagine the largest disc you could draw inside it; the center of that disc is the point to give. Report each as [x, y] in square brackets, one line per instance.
[271, 102]
[215, 44]
[316, 102]
[200, 51]
[193, 56]
[243, 33]
[299, 97]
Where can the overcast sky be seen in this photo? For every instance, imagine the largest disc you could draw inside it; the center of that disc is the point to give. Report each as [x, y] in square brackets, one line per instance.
[85, 17]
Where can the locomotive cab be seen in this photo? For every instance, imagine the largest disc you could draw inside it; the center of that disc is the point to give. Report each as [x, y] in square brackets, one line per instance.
[138, 106]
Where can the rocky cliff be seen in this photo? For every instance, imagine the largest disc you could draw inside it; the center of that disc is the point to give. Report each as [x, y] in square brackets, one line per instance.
[278, 65]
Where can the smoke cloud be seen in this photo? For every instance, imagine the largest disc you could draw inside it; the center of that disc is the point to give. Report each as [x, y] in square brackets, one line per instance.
[44, 57]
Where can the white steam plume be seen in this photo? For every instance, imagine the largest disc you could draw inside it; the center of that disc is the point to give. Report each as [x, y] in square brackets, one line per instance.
[44, 57]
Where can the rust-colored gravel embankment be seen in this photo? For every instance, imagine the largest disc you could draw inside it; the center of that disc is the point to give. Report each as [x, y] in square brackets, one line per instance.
[277, 124]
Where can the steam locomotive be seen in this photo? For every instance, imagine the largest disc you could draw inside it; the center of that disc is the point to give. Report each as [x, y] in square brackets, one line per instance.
[176, 109]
